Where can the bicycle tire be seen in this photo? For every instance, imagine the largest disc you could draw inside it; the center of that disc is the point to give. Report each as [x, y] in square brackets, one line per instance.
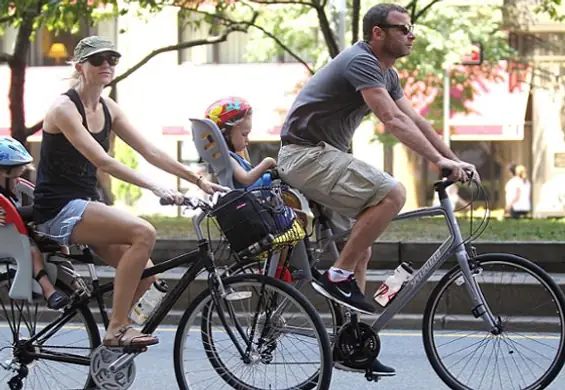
[336, 311]
[324, 378]
[520, 262]
[89, 323]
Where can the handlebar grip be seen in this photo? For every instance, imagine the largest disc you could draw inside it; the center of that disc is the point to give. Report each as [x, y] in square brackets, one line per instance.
[273, 173]
[446, 172]
[166, 202]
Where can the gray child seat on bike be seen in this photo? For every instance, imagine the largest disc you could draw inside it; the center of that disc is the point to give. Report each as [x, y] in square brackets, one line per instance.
[213, 149]
[17, 246]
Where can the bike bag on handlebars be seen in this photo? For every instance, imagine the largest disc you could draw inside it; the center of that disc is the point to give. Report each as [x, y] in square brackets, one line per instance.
[247, 217]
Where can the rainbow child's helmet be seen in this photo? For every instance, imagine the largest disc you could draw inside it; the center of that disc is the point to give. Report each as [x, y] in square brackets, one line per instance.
[228, 112]
[13, 153]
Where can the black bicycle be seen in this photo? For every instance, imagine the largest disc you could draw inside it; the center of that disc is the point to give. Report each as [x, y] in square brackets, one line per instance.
[244, 332]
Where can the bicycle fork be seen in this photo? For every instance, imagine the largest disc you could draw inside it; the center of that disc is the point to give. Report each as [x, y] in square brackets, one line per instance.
[480, 305]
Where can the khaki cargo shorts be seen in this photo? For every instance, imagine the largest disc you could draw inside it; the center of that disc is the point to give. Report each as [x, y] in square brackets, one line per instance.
[342, 183]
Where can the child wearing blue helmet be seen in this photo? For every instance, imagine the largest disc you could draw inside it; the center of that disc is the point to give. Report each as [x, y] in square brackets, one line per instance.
[14, 159]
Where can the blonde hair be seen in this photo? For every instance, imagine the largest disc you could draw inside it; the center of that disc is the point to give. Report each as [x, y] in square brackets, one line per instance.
[521, 172]
[74, 78]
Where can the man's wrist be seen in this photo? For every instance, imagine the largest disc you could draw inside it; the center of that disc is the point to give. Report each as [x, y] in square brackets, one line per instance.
[199, 181]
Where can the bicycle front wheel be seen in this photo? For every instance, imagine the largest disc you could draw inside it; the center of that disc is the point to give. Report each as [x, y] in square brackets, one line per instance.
[263, 335]
[330, 312]
[530, 307]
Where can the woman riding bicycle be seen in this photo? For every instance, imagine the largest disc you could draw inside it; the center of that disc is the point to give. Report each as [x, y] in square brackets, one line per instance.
[76, 135]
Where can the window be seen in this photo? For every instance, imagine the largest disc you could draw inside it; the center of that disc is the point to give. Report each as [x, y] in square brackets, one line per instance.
[229, 52]
[54, 49]
[538, 44]
[232, 51]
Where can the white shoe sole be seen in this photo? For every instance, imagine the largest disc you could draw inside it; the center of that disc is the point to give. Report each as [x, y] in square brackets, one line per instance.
[320, 290]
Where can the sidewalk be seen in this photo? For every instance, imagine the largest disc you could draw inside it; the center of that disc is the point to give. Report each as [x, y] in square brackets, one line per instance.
[523, 294]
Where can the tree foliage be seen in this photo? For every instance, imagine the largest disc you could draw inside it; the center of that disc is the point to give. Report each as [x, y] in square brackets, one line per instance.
[127, 193]
[29, 16]
[553, 8]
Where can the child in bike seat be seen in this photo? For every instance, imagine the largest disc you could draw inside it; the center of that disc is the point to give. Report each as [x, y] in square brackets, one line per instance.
[233, 115]
[14, 159]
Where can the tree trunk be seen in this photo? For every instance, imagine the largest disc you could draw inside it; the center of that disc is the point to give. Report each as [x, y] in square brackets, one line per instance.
[18, 64]
[355, 11]
[327, 32]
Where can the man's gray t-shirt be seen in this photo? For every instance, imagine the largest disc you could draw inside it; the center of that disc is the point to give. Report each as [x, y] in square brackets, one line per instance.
[330, 107]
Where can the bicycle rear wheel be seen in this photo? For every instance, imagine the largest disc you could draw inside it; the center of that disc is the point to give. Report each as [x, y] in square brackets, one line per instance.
[206, 351]
[529, 352]
[57, 360]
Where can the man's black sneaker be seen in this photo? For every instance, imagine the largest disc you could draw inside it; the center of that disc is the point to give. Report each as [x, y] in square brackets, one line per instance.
[376, 367]
[345, 292]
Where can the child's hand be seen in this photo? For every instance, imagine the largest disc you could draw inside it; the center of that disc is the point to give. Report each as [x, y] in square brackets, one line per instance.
[270, 162]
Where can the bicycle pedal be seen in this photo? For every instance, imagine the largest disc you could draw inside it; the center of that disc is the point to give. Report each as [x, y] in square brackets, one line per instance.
[105, 378]
[133, 349]
[372, 377]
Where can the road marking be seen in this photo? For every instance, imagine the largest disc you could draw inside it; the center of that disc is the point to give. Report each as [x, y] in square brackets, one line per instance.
[399, 333]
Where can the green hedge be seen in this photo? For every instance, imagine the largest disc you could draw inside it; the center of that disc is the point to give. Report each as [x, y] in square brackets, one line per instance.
[423, 229]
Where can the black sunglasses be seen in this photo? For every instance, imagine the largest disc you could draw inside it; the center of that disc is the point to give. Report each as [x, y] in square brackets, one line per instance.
[405, 28]
[98, 59]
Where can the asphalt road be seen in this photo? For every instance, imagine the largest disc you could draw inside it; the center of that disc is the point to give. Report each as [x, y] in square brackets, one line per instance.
[401, 349]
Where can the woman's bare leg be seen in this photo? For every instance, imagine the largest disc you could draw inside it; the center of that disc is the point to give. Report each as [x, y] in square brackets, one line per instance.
[112, 254]
[102, 226]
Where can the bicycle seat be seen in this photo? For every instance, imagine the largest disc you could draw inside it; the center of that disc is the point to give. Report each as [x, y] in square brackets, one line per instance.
[213, 149]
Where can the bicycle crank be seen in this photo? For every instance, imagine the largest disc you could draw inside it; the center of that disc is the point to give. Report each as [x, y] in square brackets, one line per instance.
[102, 368]
[357, 345]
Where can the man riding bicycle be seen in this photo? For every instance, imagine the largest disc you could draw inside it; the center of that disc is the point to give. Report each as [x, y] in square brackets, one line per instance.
[317, 134]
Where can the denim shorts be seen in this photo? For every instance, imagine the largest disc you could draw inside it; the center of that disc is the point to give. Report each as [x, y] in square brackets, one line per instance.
[60, 227]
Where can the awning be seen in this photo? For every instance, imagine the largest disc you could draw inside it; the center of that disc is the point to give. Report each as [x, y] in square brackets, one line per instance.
[269, 88]
[497, 110]
[43, 85]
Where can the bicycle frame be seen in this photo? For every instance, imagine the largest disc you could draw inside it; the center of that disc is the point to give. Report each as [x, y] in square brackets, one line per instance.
[454, 244]
[198, 259]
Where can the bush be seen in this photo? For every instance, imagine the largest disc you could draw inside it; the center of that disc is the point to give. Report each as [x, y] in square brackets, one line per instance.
[124, 192]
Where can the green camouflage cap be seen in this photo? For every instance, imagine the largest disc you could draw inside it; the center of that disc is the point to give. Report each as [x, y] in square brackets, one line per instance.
[93, 45]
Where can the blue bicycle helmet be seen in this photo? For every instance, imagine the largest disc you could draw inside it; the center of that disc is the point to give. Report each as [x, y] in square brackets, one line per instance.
[13, 153]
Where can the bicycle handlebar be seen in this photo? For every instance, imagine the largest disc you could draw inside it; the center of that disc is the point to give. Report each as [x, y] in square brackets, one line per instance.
[446, 172]
[191, 201]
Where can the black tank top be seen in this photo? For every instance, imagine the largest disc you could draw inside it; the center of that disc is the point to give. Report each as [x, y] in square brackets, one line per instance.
[63, 173]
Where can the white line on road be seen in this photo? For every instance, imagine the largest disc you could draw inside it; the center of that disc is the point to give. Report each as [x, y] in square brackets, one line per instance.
[385, 334]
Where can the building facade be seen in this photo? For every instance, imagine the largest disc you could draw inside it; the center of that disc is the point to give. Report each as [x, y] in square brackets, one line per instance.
[172, 87]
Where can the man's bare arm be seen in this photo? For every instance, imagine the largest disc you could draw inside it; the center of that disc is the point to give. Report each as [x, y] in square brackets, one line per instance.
[403, 128]
[399, 124]
[426, 129]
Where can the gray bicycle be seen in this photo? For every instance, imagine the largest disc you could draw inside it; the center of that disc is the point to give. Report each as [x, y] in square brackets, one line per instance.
[479, 331]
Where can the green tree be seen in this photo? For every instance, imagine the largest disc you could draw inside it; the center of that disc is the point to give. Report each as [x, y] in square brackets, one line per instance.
[551, 7]
[122, 191]
[28, 16]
